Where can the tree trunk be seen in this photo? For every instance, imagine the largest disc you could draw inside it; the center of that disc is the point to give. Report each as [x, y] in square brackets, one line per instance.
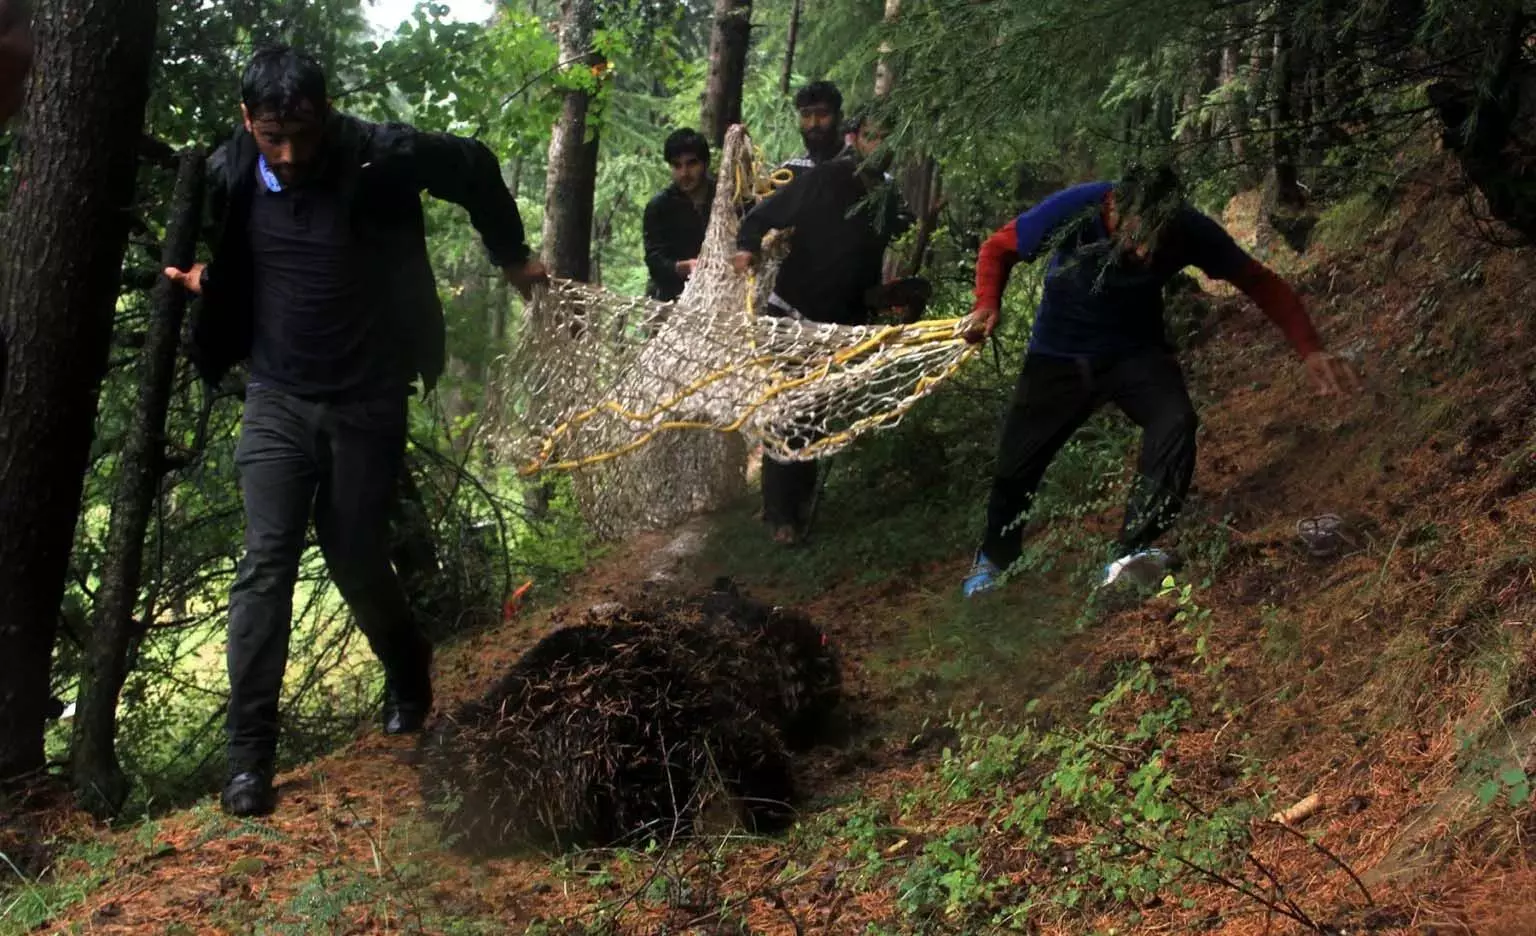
[515, 176]
[789, 49]
[64, 233]
[924, 201]
[1282, 89]
[727, 69]
[572, 179]
[1232, 121]
[885, 72]
[99, 780]
[501, 299]
[1260, 117]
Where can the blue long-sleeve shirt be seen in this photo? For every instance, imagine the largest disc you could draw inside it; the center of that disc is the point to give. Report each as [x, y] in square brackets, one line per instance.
[1095, 302]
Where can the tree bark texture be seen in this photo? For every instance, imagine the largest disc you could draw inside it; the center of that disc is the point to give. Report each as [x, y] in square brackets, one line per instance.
[572, 179]
[727, 69]
[789, 48]
[885, 71]
[1232, 123]
[97, 777]
[924, 196]
[1282, 89]
[63, 238]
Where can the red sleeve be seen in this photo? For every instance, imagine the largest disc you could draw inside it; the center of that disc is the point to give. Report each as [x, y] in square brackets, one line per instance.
[993, 264]
[1278, 301]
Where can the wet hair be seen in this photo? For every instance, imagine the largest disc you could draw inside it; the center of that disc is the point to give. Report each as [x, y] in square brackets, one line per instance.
[683, 142]
[1154, 193]
[820, 92]
[281, 82]
[869, 113]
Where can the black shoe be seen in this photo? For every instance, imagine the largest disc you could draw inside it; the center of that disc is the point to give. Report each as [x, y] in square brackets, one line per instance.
[249, 794]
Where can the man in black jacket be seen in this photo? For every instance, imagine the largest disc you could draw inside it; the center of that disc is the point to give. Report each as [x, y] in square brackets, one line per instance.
[320, 277]
[15, 55]
[844, 213]
[676, 219]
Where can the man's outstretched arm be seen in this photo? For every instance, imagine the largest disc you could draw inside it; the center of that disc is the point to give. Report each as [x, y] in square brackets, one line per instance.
[1275, 297]
[465, 172]
[777, 212]
[1024, 238]
[1220, 257]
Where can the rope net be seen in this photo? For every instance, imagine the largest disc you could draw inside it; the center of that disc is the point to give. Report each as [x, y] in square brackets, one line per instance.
[604, 386]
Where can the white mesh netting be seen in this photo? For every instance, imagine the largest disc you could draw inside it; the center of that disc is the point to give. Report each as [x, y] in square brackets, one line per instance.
[603, 385]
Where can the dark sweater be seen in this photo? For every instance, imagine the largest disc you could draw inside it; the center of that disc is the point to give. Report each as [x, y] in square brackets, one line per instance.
[843, 219]
[380, 171]
[317, 332]
[674, 231]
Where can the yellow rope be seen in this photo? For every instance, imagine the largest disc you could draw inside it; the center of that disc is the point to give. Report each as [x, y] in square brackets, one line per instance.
[899, 340]
[896, 341]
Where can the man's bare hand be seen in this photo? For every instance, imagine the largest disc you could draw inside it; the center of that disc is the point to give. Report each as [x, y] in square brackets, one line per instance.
[981, 323]
[190, 280]
[526, 275]
[1331, 375]
[741, 261]
[685, 268]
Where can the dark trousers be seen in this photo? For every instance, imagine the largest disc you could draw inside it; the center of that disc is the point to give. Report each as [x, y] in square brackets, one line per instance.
[789, 488]
[339, 461]
[1053, 399]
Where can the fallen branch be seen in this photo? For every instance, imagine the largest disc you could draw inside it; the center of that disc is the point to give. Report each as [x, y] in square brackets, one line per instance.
[1300, 812]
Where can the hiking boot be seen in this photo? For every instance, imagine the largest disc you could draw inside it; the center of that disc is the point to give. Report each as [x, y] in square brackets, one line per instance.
[982, 577]
[249, 793]
[1145, 569]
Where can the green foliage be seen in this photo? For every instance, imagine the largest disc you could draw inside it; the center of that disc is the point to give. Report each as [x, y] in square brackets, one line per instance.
[77, 871]
[1513, 783]
[1109, 781]
[1349, 223]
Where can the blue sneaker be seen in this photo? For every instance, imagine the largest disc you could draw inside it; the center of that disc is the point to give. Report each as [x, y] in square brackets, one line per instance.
[982, 577]
[1146, 569]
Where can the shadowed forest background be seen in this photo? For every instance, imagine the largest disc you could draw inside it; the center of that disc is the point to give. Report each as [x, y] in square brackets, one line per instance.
[1379, 153]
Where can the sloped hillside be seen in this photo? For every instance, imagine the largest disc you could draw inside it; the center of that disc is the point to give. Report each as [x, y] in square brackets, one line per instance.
[1380, 695]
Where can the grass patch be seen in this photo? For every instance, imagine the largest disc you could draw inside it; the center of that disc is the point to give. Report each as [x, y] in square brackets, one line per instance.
[28, 904]
[1348, 224]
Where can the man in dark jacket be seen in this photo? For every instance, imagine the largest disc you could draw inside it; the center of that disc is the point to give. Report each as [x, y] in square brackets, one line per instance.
[320, 277]
[844, 212]
[676, 219]
[15, 55]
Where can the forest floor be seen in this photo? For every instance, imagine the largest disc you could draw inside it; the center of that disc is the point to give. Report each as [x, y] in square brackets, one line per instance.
[1392, 681]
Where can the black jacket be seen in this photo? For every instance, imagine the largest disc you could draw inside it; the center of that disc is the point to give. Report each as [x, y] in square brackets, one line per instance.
[381, 170]
[843, 217]
[674, 231]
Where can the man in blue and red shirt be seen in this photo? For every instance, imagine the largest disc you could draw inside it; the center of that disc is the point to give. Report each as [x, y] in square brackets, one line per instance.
[1099, 338]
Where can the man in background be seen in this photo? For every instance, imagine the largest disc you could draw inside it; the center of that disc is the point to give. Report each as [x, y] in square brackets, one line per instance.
[320, 277]
[819, 106]
[844, 212]
[15, 55]
[676, 219]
